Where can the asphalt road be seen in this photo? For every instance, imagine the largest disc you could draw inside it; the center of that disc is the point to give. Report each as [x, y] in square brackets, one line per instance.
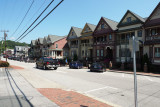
[113, 88]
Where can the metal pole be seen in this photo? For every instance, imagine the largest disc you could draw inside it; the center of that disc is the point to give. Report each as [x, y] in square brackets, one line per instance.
[1, 47]
[135, 77]
[5, 45]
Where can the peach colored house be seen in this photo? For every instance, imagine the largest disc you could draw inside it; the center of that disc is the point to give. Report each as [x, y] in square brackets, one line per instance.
[55, 46]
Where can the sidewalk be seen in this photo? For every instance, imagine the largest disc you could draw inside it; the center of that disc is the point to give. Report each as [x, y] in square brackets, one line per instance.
[17, 92]
[138, 73]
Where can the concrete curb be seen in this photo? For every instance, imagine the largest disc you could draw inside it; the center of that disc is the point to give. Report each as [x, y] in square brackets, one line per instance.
[138, 73]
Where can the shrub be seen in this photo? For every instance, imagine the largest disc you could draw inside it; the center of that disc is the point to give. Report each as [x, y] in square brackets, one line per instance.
[117, 65]
[4, 64]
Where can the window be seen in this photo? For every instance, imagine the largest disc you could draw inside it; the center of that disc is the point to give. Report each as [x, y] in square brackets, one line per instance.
[101, 52]
[110, 37]
[124, 52]
[56, 45]
[97, 52]
[102, 26]
[82, 52]
[157, 52]
[129, 19]
[153, 32]
[87, 29]
[86, 53]
[139, 33]
[72, 33]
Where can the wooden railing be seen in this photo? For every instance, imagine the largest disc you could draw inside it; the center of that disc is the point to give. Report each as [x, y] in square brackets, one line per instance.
[153, 37]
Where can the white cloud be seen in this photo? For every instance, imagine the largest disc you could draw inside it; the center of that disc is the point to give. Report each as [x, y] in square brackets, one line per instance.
[12, 38]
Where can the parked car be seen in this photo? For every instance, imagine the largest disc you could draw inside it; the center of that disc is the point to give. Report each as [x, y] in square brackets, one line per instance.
[76, 64]
[9, 57]
[97, 66]
[47, 62]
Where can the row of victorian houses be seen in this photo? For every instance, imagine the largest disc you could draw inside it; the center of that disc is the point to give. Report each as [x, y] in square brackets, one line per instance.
[107, 41]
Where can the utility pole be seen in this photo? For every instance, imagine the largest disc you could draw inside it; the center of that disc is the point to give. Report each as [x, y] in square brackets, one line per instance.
[1, 47]
[5, 35]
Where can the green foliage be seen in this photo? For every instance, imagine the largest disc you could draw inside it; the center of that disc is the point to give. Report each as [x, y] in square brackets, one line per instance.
[75, 58]
[11, 44]
[4, 64]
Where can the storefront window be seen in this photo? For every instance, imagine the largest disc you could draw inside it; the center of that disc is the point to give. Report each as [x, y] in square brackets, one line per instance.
[101, 52]
[157, 52]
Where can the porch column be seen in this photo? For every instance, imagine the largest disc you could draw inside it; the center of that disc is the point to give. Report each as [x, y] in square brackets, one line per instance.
[54, 54]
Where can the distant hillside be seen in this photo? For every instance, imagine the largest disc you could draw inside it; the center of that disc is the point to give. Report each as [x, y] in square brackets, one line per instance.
[11, 44]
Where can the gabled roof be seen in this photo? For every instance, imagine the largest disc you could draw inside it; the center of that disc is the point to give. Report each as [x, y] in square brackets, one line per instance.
[41, 40]
[91, 26]
[142, 20]
[152, 13]
[66, 46]
[55, 38]
[77, 31]
[111, 23]
[33, 42]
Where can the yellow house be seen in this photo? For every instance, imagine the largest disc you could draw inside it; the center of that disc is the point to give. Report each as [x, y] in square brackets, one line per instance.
[86, 41]
[73, 41]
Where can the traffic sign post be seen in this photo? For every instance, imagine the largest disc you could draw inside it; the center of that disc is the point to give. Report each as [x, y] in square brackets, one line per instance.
[135, 76]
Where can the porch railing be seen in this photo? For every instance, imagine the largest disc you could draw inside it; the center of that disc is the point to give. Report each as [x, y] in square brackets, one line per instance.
[153, 37]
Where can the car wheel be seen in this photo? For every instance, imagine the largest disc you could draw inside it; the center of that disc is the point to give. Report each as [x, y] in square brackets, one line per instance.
[44, 67]
[78, 67]
[36, 65]
[104, 70]
[55, 68]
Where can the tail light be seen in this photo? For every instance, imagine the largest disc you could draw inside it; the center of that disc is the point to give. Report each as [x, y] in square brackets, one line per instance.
[47, 63]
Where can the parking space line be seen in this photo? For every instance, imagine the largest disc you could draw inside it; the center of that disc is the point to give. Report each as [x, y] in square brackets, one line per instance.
[148, 78]
[101, 89]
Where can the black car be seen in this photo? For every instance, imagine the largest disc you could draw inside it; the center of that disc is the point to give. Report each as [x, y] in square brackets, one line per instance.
[97, 66]
[47, 62]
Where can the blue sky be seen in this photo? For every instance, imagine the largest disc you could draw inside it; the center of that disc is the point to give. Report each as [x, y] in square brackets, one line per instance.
[69, 13]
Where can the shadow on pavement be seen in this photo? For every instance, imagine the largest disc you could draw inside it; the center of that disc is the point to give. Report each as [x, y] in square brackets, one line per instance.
[10, 78]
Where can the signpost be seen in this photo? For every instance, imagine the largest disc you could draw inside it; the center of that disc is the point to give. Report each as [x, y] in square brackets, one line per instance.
[135, 76]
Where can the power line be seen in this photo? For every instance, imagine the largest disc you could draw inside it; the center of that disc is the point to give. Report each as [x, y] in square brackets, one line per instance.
[35, 20]
[23, 17]
[33, 16]
[42, 19]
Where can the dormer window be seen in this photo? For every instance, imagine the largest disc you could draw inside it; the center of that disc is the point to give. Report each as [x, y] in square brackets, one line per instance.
[129, 19]
[102, 26]
[86, 30]
[72, 33]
